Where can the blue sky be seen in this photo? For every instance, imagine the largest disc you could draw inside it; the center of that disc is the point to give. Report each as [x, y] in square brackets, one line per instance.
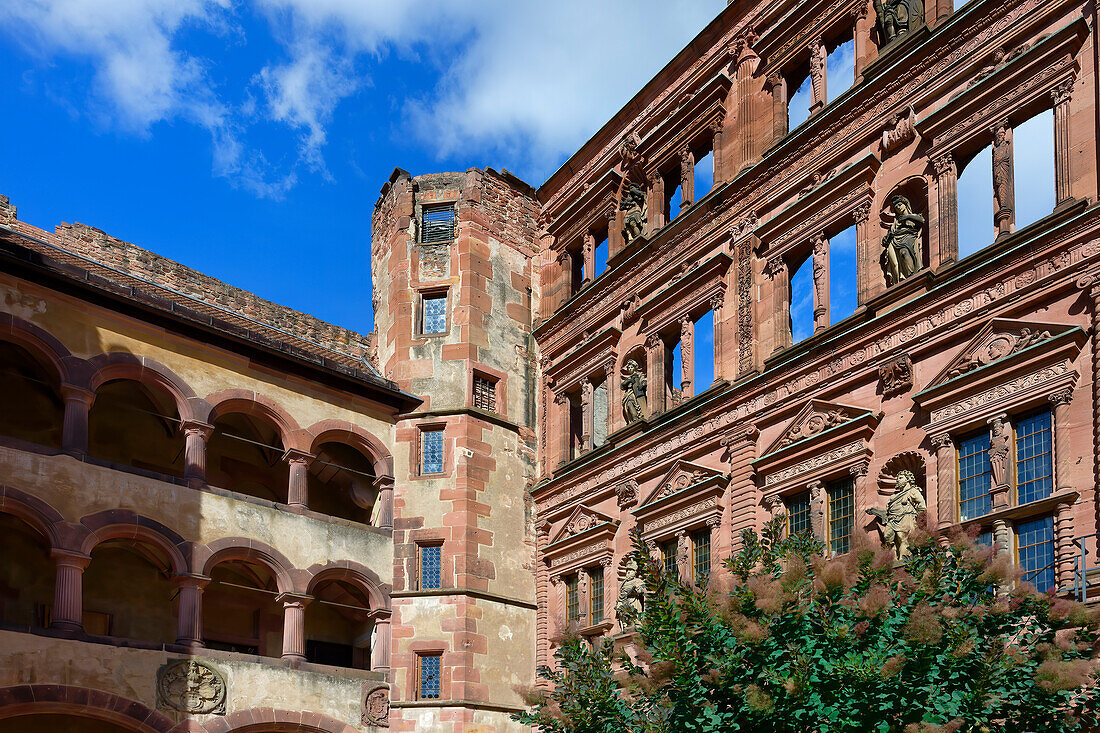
[249, 139]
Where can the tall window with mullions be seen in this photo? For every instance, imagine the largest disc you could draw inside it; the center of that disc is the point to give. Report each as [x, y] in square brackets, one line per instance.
[595, 594]
[1034, 458]
[841, 515]
[573, 600]
[437, 223]
[1035, 552]
[974, 477]
[798, 514]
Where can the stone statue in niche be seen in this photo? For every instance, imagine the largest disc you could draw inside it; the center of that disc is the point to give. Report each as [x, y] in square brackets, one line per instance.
[902, 245]
[634, 388]
[633, 207]
[898, 17]
[900, 517]
[1003, 183]
[999, 451]
[631, 595]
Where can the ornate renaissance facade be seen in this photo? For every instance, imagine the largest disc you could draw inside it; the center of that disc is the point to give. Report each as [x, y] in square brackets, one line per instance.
[838, 262]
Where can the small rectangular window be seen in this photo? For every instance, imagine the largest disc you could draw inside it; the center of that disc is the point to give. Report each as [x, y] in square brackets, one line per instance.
[700, 556]
[668, 558]
[573, 600]
[431, 449]
[428, 672]
[595, 595]
[841, 516]
[485, 393]
[1034, 458]
[974, 477]
[438, 223]
[431, 567]
[1035, 552]
[798, 514]
[434, 314]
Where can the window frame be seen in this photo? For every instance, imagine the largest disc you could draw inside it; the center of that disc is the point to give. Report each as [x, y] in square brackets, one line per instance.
[420, 556]
[956, 444]
[849, 483]
[789, 500]
[695, 537]
[422, 432]
[592, 572]
[421, 311]
[434, 206]
[1051, 567]
[574, 614]
[420, 658]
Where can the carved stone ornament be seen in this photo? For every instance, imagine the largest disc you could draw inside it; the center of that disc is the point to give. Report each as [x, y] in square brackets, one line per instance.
[813, 424]
[896, 375]
[896, 18]
[582, 523]
[775, 505]
[902, 133]
[680, 481]
[191, 686]
[998, 347]
[903, 244]
[899, 519]
[910, 460]
[376, 707]
[634, 392]
[635, 212]
[627, 493]
[630, 602]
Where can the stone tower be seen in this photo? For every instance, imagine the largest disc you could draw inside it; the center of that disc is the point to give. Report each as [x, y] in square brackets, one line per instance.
[453, 261]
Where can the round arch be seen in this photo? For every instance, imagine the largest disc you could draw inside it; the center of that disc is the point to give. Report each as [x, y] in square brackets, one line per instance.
[39, 515]
[341, 431]
[251, 403]
[116, 365]
[243, 548]
[83, 702]
[116, 524]
[267, 720]
[357, 575]
[41, 344]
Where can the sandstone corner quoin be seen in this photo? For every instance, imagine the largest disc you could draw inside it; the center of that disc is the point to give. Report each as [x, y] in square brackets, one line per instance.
[757, 291]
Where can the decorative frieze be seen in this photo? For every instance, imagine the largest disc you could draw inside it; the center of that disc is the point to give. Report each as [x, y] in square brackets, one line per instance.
[815, 463]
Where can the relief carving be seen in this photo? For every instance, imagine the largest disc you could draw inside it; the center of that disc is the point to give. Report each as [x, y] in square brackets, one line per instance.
[896, 375]
[998, 347]
[634, 391]
[813, 424]
[903, 132]
[627, 493]
[376, 707]
[191, 686]
[902, 245]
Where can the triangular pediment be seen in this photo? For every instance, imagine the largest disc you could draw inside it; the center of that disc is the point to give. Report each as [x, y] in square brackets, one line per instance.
[816, 417]
[680, 476]
[998, 339]
[580, 521]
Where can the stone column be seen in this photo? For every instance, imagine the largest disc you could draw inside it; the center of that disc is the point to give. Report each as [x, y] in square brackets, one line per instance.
[1000, 459]
[1090, 283]
[821, 283]
[818, 501]
[947, 211]
[1063, 177]
[859, 489]
[655, 360]
[1063, 451]
[189, 617]
[561, 400]
[716, 303]
[818, 79]
[380, 650]
[614, 231]
[862, 23]
[589, 251]
[777, 85]
[542, 596]
[747, 63]
[687, 178]
[1064, 547]
[781, 302]
[565, 277]
[867, 261]
[744, 495]
[610, 592]
[1004, 187]
[74, 432]
[196, 435]
[687, 358]
[298, 488]
[294, 624]
[1002, 535]
[656, 208]
[717, 149]
[614, 409]
[384, 484]
[68, 597]
[945, 479]
[587, 414]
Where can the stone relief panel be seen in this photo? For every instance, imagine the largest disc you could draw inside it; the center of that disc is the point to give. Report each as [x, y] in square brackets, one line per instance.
[191, 686]
[896, 374]
[376, 706]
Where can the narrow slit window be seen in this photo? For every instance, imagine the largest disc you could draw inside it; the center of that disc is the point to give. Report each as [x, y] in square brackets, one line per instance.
[843, 292]
[438, 223]
[798, 514]
[802, 301]
[431, 451]
[431, 567]
[704, 175]
[429, 672]
[700, 556]
[573, 600]
[704, 352]
[841, 516]
[974, 477]
[668, 557]
[1034, 458]
[601, 257]
[595, 595]
[435, 314]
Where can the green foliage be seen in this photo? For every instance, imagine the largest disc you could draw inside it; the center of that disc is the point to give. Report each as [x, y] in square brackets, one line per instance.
[796, 642]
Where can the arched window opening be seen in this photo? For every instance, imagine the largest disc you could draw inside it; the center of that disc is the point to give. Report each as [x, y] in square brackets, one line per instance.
[802, 301]
[341, 483]
[26, 586]
[129, 593]
[975, 186]
[338, 626]
[58, 723]
[239, 610]
[31, 408]
[245, 454]
[131, 424]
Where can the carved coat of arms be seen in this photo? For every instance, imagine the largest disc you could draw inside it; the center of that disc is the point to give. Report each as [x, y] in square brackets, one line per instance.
[191, 686]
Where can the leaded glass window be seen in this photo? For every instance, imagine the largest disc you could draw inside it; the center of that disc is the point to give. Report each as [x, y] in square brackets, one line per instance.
[798, 514]
[974, 477]
[431, 451]
[431, 567]
[1034, 461]
[700, 555]
[435, 314]
[841, 516]
[595, 595]
[429, 676]
[1035, 551]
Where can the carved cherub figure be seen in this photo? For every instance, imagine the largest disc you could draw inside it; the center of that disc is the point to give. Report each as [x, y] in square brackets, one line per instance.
[900, 517]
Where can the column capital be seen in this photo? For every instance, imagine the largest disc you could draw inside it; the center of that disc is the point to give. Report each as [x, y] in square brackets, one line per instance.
[776, 267]
[191, 580]
[1061, 397]
[73, 393]
[293, 455]
[293, 600]
[197, 427]
[380, 615]
[942, 440]
[385, 482]
[1063, 91]
[653, 340]
[860, 469]
[70, 558]
[862, 212]
[944, 164]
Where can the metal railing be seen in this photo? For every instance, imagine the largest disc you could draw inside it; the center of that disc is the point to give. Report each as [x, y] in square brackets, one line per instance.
[1084, 575]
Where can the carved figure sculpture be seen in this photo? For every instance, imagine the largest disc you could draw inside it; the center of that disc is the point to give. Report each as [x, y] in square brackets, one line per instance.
[898, 17]
[999, 451]
[631, 600]
[634, 388]
[818, 61]
[634, 211]
[1003, 178]
[900, 517]
[902, 245]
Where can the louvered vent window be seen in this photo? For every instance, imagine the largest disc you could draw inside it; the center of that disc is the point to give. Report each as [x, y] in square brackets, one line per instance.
[485, 393]
[438, 224]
